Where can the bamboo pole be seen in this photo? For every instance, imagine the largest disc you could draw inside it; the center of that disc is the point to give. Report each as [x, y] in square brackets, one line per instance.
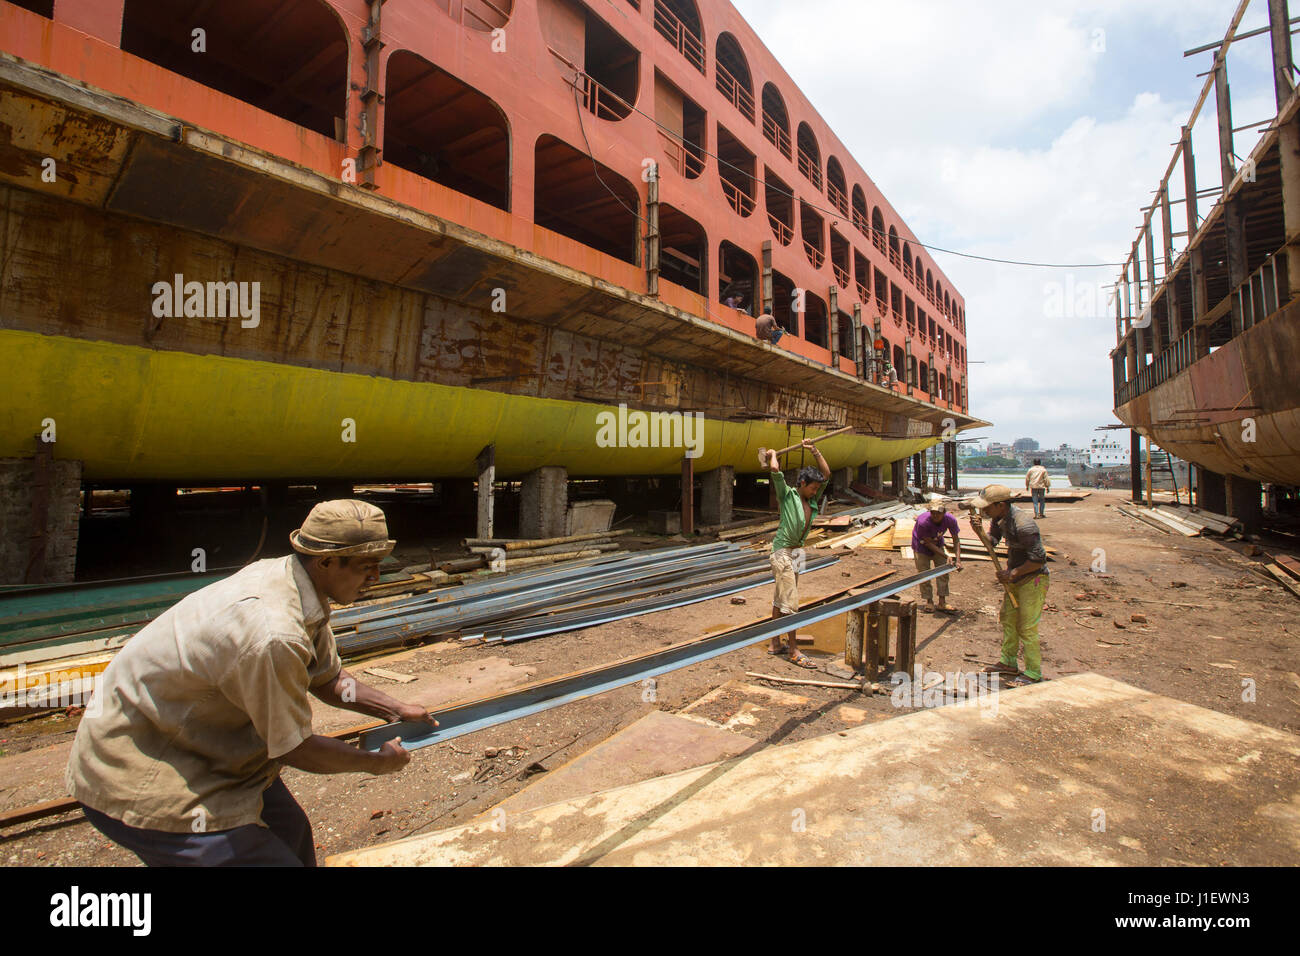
[762, 452]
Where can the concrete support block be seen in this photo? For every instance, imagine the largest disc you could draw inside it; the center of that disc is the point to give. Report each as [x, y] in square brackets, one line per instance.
[544, 503]
[875, 478]
[717, 490]
[56, 537]
[1211, 491]
[1244, 502]
[841, 478]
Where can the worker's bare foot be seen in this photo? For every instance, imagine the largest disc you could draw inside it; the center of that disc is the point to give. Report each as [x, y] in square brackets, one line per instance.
[1000, 668]
[929, 607]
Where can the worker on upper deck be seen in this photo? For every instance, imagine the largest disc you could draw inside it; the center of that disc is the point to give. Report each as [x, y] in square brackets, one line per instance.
[198, 712]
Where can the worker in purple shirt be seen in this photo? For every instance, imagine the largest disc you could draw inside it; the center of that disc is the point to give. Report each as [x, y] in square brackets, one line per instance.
[928, 550]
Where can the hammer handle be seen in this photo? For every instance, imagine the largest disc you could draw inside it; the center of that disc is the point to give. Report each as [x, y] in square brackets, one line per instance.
[841, 431]
[997, 565]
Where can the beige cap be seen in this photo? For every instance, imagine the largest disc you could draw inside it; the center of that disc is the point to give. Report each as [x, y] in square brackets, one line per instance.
[991, 495]
[341, 527]
[937, 504]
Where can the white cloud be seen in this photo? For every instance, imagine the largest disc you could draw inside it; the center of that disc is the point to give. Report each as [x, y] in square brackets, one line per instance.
[1005, 139]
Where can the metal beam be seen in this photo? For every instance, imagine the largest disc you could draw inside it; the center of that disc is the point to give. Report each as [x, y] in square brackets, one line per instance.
[535, 698]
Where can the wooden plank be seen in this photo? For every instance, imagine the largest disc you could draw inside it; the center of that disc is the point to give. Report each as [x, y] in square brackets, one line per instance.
[1284, 579]
[1288, 564]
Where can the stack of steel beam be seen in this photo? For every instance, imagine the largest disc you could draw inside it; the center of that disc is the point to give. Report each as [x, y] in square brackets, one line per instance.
[564, 597]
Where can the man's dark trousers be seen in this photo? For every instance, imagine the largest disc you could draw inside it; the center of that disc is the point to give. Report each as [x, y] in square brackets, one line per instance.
[286, 839]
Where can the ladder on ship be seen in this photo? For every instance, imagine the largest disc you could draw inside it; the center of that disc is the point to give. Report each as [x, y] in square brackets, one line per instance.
[1162, 463]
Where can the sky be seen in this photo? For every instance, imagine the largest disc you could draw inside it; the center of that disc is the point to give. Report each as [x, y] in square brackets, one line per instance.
[1028, 131]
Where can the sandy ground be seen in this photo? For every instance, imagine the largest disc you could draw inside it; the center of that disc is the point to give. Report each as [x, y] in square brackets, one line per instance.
[1216, 635]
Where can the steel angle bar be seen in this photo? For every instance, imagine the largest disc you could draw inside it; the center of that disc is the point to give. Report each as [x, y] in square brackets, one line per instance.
[578, 621]
[489, 712]
[639, 588]
[652, 594]
[580, 577]
[453, 616]
[519, 580]
[515, 580]
[509, 608]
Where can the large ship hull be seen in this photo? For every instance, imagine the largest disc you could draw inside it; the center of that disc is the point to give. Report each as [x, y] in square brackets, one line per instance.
[404, 325]
[1235, 411]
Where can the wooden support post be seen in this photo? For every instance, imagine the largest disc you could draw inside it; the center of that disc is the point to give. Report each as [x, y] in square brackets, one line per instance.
[931, 377]
[877, 641]
[1171, 290]
[1201, 337]
[487, 476]
[1157, 336]
[1135, 465]
[688, 496]
[1288, 148]
[905, 649]
[1150, 503]
[652, 232]
[854, 628]
[1234, 221]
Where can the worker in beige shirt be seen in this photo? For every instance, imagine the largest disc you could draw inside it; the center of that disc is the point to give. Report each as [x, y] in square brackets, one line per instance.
[199, 711]
[1038, 484]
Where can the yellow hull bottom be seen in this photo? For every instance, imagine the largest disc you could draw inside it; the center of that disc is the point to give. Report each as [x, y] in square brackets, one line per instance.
[139, 414]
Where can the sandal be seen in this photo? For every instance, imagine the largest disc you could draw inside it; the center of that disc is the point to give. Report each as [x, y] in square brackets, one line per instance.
[777, 651]
[799, 659]
[1023, 680]
[1000, 668]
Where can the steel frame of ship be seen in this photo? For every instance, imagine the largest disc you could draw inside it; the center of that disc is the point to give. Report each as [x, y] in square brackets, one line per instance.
[1202, 361]
[405, 345]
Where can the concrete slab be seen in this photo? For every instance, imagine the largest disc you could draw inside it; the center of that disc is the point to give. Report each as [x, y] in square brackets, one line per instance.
[1079, 771]
[659, 743]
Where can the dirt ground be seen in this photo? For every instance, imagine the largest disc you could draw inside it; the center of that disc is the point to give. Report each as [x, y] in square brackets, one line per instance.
[1216, 635]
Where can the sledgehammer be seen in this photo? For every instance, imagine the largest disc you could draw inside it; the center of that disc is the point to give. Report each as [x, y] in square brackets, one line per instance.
[762, 452]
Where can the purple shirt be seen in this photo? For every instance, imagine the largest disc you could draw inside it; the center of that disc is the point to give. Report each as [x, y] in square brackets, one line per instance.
[929, 529]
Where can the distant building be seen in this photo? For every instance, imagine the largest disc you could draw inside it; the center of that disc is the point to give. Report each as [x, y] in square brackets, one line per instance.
[1106, 451]
[1001, 450]
[1025, 444]
[1071, 455]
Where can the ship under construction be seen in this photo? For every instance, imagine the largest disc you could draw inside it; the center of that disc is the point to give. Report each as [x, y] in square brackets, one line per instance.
[1206, 334]
[283, 241]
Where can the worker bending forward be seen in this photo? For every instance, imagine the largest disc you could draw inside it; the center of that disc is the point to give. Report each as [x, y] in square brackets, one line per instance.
[798, 507]
[201, 708]
[1026, 575]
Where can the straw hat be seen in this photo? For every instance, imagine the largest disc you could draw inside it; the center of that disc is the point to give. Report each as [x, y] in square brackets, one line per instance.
[342, 527]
